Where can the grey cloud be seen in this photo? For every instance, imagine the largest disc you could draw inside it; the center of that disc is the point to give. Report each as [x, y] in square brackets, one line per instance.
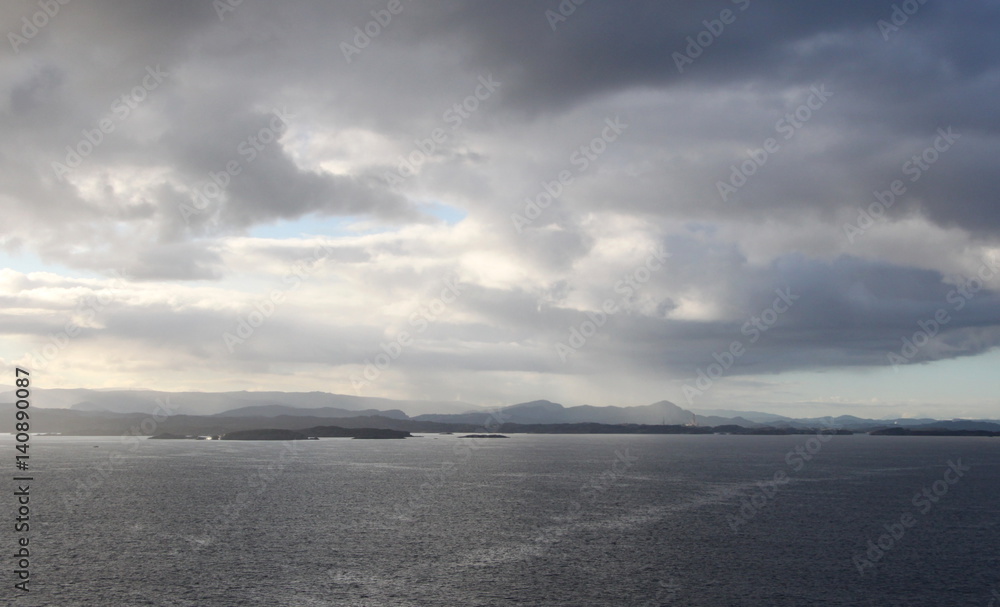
[122, 208]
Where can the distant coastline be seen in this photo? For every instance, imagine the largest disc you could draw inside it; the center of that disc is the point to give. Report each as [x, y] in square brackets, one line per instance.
[931, 432]
[284, 434]
[214, 416]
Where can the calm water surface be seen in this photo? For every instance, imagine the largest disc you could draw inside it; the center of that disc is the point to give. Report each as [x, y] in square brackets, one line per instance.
[529, 520]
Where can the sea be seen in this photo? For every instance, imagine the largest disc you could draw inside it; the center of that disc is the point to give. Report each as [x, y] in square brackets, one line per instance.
[546, 520]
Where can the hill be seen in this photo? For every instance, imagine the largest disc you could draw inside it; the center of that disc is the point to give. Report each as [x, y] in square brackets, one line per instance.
[547, 412]
[278, 410]
[211, 403]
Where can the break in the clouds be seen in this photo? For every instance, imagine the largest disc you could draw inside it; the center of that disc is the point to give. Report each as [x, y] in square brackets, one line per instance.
[734, 203]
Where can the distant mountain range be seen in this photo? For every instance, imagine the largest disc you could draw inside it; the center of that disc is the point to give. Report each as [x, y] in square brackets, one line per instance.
[547, 412]
[104, 412]
[278, 410]
[754, 416]
[211, 403]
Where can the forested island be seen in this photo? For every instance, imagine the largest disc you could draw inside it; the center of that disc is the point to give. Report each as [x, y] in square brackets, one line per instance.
[313, 433]
[931, 432]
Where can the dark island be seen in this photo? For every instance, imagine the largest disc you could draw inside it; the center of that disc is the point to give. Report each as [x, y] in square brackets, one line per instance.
[315, 433]
[484, 436]
[269, 434]
[931, 432]
[363, 433]
[596, 428]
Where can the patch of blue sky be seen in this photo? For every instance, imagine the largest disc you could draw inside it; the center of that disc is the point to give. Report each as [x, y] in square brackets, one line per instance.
[26, 263]
[449, 214]
[316, 225]
[312, 225]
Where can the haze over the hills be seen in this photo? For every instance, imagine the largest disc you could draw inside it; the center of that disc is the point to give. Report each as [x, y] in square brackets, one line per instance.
[211, 403]
[485, 204]
[122, 411]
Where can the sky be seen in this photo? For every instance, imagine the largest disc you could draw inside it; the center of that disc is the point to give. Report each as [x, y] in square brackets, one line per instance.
[787, 206]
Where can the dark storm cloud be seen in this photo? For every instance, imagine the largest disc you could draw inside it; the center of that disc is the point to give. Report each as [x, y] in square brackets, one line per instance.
[201, 113]
[603, 47]
[841, 314]
[937, 70]
[933, 73]
[258, 183]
